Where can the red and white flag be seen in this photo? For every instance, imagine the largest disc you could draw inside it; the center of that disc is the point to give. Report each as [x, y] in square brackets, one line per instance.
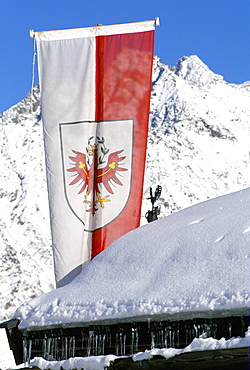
[95, 93]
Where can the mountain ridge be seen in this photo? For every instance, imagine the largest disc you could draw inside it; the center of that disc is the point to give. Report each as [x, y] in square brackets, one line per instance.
[195, 128]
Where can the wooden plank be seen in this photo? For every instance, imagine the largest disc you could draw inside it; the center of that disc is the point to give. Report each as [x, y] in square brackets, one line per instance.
[10, 324]
[226, 359]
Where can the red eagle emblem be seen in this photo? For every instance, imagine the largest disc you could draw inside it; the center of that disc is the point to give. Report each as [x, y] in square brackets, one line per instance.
[89, 173]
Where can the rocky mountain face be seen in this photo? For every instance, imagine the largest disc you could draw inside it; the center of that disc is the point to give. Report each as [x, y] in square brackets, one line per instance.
[198, 148]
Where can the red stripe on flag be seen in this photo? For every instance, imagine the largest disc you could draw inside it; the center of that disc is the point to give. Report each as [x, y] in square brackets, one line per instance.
[99, 80]
[123, 87]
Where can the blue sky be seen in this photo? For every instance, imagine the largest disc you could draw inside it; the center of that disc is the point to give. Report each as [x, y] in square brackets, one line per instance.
[218, 31]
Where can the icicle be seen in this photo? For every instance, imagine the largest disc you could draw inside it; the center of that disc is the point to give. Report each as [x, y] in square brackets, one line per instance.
[149, 324]
[120, 343]
[177, 338]
[25, 351]
[44, 348]
[196, 331]
[170, 337]
[152, 340]
[66, 348]
[103, 344]
[95, 344]
[29, 350]
[71, 348]
[56, 349]
[52, 347]
[62, 349]
[124, 344]
[230, 330]
[134, 341]
[165, 342]
[89, 348]
[116, 345]
[199, 330]
[48, 349]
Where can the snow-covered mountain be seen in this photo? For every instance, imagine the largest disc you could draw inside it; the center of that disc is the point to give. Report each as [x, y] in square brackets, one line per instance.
[25, 244]
[198, 145]
[198, 148]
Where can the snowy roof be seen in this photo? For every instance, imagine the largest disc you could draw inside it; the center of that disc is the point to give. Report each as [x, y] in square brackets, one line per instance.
[192, 263]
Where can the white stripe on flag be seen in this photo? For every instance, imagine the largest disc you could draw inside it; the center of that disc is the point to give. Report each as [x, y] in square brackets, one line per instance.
[67, 78]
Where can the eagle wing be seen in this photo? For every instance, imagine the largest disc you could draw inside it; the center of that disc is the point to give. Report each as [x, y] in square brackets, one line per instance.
[109, 172]
[80, 170]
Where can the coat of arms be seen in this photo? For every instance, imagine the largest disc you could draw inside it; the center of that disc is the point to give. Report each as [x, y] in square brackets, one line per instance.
[97, 161]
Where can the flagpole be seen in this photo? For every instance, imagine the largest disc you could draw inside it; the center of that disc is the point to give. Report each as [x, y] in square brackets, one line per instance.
[157, 21]
[32, 33]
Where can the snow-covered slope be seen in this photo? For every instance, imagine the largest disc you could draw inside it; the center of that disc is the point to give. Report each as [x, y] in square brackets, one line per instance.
[26, 264]
[193, 263]
[198, 148]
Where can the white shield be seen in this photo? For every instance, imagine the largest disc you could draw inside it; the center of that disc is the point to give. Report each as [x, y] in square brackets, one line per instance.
[101, 150]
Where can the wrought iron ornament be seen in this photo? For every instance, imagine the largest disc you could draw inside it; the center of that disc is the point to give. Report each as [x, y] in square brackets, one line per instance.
[152, 215]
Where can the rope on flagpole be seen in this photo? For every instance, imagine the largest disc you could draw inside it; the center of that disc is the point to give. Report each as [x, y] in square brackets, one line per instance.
[33, 74]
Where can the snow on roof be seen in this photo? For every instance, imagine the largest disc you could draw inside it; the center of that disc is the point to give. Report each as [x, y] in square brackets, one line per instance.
[194, 262]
